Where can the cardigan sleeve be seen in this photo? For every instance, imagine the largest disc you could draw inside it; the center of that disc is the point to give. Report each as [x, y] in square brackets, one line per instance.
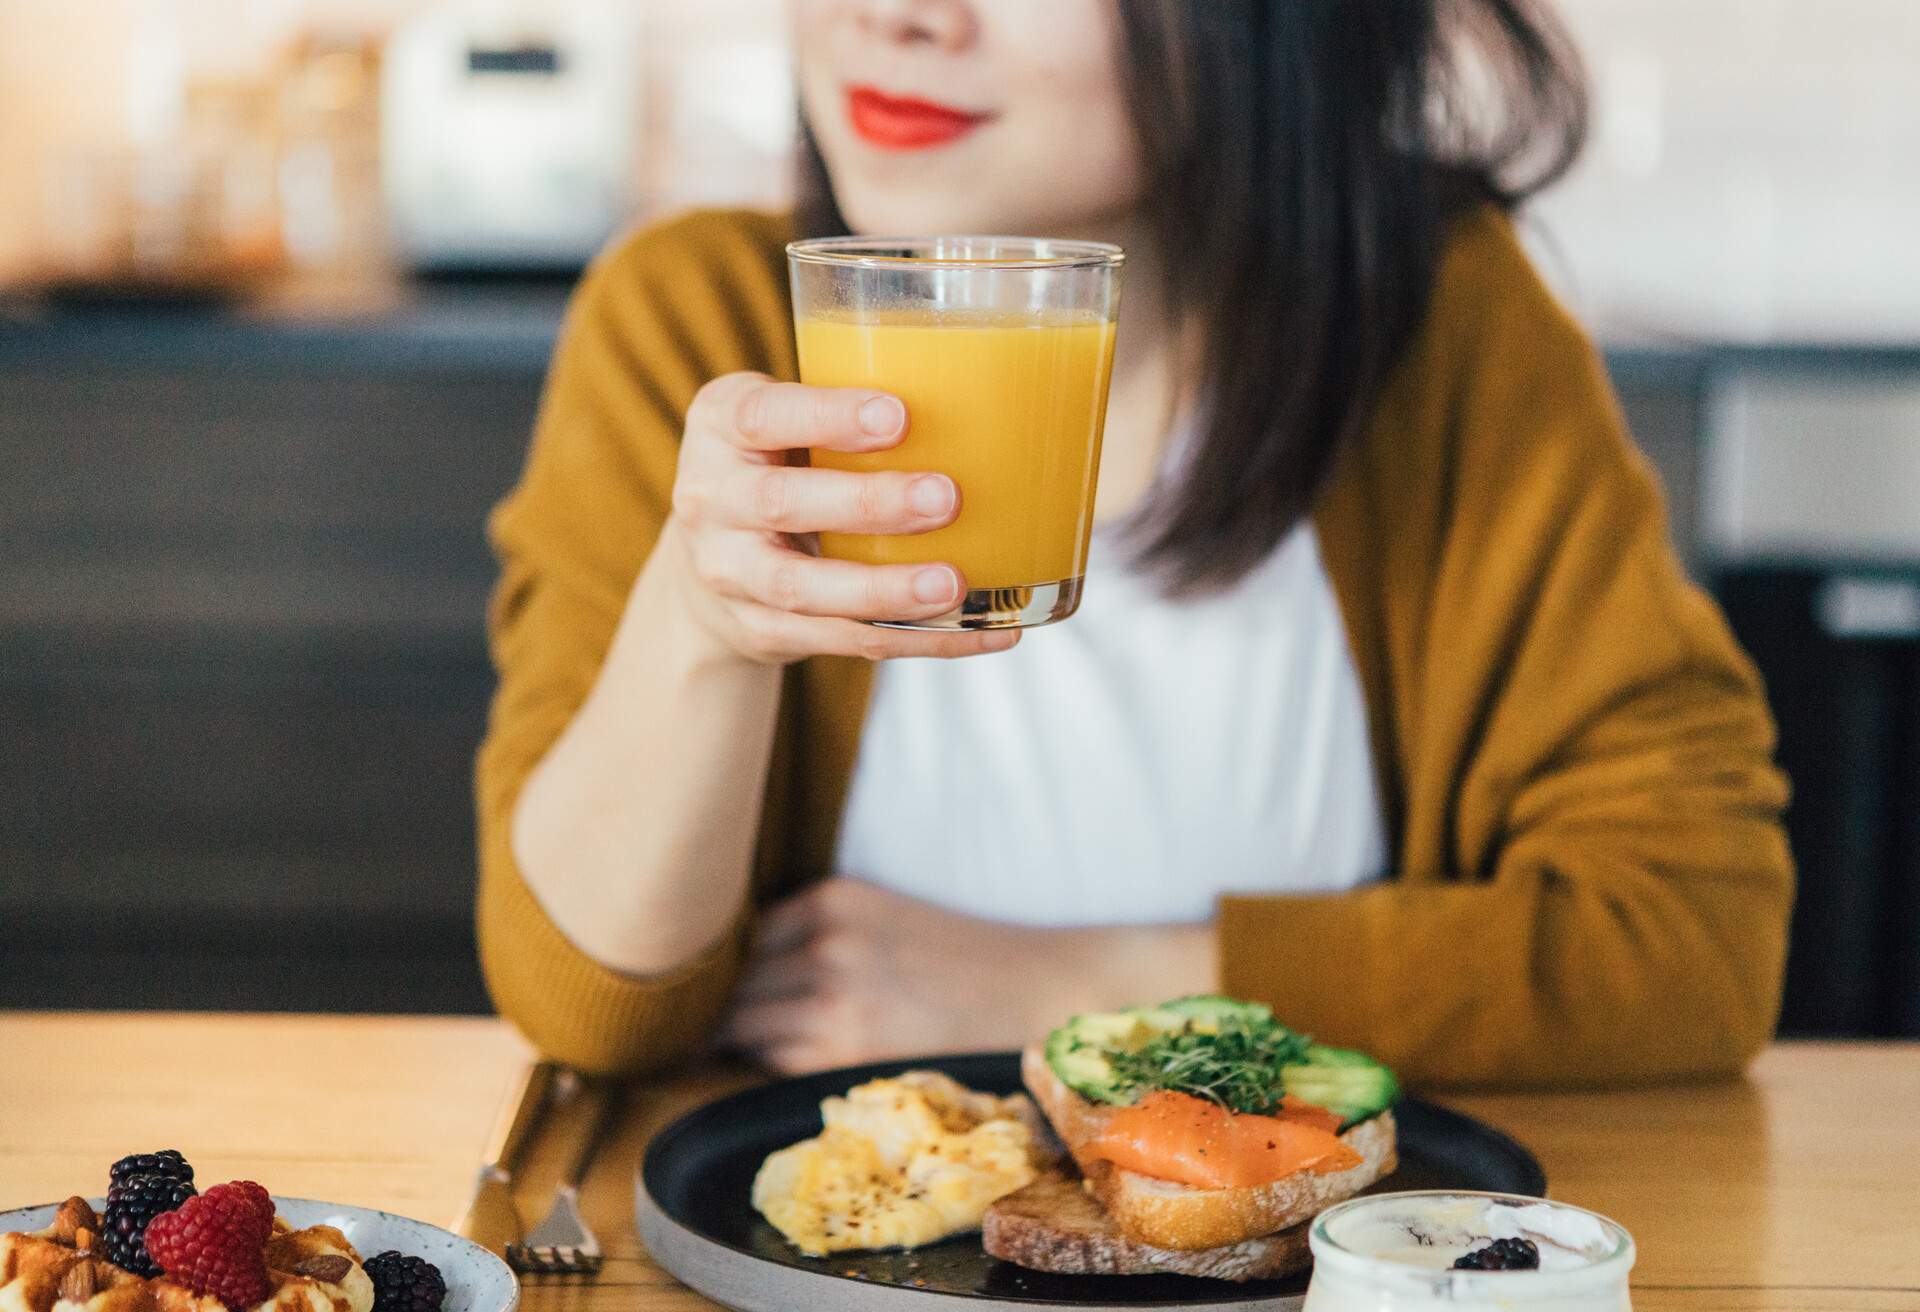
[1594, 884]
[653, 320]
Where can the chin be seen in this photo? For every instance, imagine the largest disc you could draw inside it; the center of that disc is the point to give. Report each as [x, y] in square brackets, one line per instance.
[885, 211]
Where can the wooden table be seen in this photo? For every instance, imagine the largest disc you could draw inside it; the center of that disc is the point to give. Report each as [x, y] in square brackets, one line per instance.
[1796, 1188]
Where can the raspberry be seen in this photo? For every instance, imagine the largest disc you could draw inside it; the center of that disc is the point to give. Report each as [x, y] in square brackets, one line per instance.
[133, 1203]
[1502, 1255]
[216, 1244]
[167, 1162]
[405, 1284]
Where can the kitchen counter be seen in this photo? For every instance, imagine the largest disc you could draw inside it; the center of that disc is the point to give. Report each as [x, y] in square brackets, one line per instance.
[513, 324]
[1789, 1189]
[489, 326]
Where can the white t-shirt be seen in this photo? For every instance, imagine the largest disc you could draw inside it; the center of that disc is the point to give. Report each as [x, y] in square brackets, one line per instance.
[1131, 764]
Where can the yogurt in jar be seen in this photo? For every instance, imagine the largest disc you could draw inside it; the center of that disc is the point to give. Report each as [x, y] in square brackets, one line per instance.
[1395, 1253]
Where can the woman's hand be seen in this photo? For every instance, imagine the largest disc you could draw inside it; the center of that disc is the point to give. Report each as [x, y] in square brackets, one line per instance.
[744, 514]
[846, 972]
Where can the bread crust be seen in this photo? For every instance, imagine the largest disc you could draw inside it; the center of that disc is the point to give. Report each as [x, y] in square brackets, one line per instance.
[1162, 1214]
[1053, 1225]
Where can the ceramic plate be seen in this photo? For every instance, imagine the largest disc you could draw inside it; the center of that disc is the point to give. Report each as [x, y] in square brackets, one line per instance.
[696, 1218]
[477, 1281]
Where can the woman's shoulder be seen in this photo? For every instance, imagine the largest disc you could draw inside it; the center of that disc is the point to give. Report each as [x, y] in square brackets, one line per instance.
[708, 283]
[1501, 408]
[700, 243]
[1488, 292]
[1501, 374]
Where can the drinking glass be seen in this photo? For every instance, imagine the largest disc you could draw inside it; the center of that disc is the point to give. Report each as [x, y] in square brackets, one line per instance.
[1001, 349]
[1394, 1253]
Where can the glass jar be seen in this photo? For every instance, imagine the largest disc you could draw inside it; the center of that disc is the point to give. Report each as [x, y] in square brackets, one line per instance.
[1395, 1253]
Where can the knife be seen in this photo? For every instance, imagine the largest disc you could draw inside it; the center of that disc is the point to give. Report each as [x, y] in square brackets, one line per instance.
[490, 1219]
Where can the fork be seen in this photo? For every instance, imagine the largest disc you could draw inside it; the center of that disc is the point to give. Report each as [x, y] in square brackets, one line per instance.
[491, 1219]
[562, 1244]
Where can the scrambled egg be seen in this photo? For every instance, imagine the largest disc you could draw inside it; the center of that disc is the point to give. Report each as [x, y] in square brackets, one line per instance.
[901, 1163]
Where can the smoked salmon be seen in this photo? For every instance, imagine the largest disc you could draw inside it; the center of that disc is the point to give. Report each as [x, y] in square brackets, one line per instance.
[1193, 1141]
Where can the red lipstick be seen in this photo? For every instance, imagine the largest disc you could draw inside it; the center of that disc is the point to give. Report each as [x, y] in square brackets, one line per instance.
[905, 122]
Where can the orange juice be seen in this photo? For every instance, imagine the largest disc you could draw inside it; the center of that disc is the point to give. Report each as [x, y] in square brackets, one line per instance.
[1011, 408]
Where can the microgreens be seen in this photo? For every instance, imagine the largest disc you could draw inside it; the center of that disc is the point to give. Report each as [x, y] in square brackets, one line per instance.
[1239, 1066]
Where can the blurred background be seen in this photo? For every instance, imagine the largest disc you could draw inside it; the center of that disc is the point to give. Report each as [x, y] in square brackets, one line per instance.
[279, 280]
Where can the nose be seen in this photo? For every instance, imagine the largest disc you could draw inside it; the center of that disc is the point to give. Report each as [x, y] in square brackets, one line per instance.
[948, 24]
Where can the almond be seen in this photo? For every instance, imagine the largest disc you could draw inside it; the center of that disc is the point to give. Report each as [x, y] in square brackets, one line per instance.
[329, 1269]
[75, 1214]
[81, 1282]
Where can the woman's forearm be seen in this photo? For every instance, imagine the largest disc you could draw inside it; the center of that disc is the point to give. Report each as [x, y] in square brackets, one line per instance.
[636, 831]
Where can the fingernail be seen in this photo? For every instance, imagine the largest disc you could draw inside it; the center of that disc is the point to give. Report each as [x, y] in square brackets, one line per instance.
[936, 584]
[932, 496]
[882, 416]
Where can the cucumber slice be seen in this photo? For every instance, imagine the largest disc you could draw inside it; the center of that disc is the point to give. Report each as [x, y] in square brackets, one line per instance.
[1349, 1084]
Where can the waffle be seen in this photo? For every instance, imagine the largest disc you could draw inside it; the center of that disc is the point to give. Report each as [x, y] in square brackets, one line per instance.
[310, 1270]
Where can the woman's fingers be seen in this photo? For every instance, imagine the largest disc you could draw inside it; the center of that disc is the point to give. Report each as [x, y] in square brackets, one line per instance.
[807, 585]
[737, 500]
[779, 978]
[772, 594]
[795, 1059]
[799, 499]
[787, 924]
[782, 631]
[753, 1026]
[757, 414]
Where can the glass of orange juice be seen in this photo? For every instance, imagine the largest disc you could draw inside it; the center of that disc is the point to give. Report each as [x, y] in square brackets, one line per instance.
[1001, 348]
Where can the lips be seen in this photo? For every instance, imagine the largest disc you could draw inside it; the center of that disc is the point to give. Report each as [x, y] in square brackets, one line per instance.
[905, 122]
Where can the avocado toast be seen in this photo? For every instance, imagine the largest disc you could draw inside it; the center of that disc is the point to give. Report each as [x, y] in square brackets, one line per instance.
[1206, 1134]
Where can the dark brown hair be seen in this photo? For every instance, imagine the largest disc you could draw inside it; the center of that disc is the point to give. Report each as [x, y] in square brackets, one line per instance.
[1305, 159]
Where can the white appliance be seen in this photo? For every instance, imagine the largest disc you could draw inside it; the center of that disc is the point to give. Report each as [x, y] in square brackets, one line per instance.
[510, 133]
[1751, 172]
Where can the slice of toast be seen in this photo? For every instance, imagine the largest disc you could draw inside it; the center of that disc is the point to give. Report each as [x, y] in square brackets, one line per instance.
[1163, 1214]
[1054, 1225]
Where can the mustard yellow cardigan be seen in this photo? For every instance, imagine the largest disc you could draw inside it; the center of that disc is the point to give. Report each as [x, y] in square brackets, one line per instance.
[1590, 881]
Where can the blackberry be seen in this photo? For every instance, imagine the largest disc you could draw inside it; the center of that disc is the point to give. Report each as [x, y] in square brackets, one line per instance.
[405, 1284]
[1502, 1255]
[134, 1202]
[167, 1162]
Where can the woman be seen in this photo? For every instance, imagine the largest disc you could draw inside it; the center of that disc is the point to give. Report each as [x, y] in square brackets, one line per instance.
[1388, 704]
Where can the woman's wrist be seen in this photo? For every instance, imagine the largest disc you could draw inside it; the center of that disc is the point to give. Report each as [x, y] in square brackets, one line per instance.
[669, 591]
[665, 659]
[1135, 965]
[631, 831]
